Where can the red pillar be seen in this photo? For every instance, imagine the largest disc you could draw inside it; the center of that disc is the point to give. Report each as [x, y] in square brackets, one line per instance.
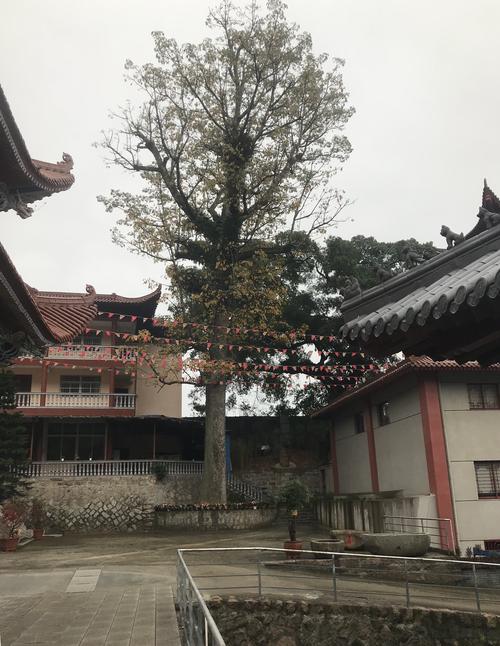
[43, 385]
[333, 458]
[111, 373]
[435, 450]
[372, 454]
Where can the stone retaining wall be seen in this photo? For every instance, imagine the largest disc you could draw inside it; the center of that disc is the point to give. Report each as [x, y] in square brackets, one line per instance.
[214, 519]
[258, 622]
[110, 503]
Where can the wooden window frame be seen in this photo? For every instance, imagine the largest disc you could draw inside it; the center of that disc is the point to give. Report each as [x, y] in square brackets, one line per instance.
[481, 386]
[494, 476]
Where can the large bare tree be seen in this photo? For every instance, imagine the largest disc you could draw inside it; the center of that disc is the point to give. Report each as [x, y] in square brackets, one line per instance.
[236, 141]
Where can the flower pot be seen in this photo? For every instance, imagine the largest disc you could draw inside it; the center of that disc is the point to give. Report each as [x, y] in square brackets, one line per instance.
[295, 548]
[9, 544]
[38, 534]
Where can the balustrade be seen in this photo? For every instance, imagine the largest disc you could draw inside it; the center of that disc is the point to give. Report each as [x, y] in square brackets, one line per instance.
[89, 468]
[94, 352]
[75, 400]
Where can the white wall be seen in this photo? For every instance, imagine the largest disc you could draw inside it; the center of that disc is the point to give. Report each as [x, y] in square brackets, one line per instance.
[471, 435]
[399, 446]
[352, 454]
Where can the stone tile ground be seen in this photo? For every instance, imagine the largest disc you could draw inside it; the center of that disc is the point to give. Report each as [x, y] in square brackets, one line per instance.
[139, 616]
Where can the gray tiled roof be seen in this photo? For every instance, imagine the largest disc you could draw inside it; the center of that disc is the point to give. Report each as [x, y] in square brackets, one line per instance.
[467, 285]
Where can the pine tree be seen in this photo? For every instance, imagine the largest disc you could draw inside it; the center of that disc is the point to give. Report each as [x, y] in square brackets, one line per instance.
[13, 441]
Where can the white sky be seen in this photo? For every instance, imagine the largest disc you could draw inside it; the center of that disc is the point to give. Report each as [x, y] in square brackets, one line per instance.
[423, 76]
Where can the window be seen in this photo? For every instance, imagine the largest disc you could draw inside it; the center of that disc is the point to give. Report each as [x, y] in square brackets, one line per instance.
[84, 441]
[488, 479]
[22, 383]
[80, 384]
[91, 339]
[359, 423]
[483, 396]
[492, 544]
[383, 414]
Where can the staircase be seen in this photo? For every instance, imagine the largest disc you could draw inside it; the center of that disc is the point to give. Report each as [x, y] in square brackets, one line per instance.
[249, 491]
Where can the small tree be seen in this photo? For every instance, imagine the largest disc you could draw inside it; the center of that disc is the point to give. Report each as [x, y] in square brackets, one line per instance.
[294, 496]
[13, 441]
[236, 142]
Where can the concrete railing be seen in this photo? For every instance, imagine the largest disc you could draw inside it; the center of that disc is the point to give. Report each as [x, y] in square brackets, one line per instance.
[94, 352]
[75, 400]
[81, 468]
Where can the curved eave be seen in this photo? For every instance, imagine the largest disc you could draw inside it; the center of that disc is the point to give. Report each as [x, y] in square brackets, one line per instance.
[31, 178]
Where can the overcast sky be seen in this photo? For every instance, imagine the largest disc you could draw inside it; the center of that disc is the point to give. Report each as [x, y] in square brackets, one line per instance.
[422, 75]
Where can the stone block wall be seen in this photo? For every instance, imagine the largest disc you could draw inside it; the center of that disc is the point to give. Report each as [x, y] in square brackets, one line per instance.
[110, 503]
[272, 479]
[205, 519]
[259, 622]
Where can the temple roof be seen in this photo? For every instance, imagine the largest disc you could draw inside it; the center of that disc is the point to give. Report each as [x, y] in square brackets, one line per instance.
[22, 178]
[410, 365]
[144, 306]
[42, 321]
[446, 307]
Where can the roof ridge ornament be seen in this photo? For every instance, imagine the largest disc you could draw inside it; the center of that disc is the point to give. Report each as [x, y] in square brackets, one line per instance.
[452, 238]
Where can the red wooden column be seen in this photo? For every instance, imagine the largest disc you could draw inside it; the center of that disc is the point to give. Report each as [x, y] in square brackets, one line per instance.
[43, 385]
[333, 458]
[111, 374]
[435, 450]
[372, 453]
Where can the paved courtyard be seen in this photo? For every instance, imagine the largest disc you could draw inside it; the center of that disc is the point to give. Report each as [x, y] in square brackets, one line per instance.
[100, 590]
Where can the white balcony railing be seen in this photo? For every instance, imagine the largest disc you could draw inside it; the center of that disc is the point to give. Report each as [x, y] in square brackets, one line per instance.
[66, 468]
[75, 400]
[93, 352]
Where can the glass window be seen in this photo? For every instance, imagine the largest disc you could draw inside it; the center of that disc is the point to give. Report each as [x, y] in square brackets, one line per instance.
[488, 479]
[22, 383]
[76, 441]
[483, 396]
[359, 423]
[383, 414]
[90, 339]
[80, 384]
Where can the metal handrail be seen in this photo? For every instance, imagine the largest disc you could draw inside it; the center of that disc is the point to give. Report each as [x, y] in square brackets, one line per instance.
[210, 628]
[421, 521]
[412, 590]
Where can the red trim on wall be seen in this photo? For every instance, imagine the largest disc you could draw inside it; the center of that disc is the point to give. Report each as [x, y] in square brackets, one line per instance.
[52, 411]
[372, 454]
[435, 449]
[335, 466]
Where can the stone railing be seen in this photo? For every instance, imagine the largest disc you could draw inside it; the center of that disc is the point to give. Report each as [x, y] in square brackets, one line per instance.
[93, 352]
[75, 400]
[80, 468]
[247, 490]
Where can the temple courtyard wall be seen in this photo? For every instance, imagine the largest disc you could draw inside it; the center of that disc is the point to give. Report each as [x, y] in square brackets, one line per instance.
[109, 503]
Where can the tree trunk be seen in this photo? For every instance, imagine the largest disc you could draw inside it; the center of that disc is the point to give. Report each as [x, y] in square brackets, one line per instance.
[213, 483]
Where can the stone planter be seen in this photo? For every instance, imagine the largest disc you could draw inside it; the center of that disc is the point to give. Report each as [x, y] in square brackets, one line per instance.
[353, 539]
[326, 545]
[9, 544]
[37, 534]
[397, 544]
[295, 549]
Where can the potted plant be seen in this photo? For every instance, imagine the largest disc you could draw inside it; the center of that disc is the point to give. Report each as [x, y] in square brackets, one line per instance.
[38, 519]
[294, 496]
[12, 515]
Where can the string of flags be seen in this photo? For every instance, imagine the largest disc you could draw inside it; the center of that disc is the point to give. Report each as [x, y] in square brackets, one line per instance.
[223, 346]
[162, 322]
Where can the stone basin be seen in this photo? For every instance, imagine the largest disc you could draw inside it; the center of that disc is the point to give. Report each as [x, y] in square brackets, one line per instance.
[326, 545]
[397, 544]
[353, 539]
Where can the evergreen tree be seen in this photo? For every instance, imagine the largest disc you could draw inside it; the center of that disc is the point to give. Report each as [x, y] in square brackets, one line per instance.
[13, 441]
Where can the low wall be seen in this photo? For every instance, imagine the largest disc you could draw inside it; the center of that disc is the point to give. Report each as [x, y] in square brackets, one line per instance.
[367, 514]
[207, 519]
[110, 503]
[254, 622]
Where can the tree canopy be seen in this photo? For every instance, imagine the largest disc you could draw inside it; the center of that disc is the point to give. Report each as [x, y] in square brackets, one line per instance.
[237, 142]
